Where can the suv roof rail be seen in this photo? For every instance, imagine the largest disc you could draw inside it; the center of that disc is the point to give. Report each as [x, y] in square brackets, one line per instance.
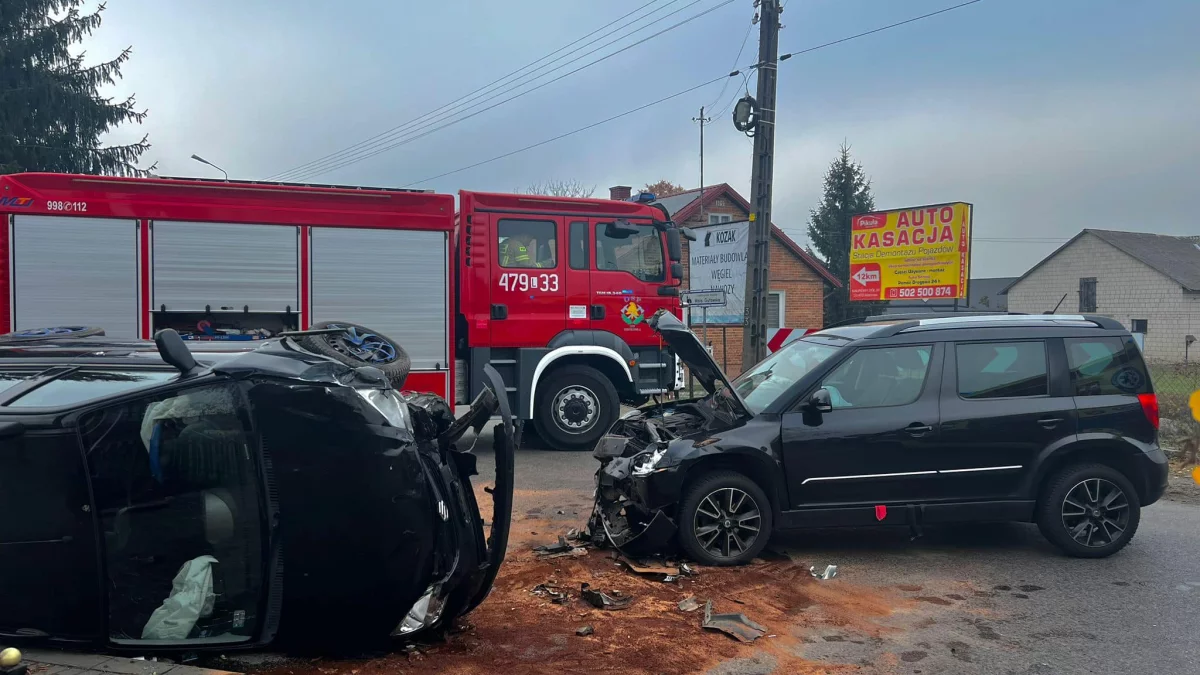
[913, 316]
[995, 319]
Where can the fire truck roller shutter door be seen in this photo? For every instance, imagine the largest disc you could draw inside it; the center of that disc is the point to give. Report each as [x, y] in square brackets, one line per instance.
[394, 281]
[75, 271]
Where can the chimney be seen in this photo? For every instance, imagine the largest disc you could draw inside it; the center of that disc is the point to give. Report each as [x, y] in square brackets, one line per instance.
[620, 193]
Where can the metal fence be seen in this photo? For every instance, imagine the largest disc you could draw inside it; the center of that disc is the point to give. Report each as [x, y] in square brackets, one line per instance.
[1174, 383]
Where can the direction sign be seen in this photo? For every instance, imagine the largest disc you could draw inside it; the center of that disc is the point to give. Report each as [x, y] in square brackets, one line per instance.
[708, 298]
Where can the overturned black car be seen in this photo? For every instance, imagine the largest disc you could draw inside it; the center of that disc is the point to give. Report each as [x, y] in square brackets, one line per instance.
[277, 492]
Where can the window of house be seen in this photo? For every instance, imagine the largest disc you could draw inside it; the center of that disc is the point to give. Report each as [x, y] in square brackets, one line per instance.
[1104, 366]
[874, 378]
[527, 244]
[1087, 294]
[775, 305]
[176, 487]
[1002, 370]
[639, 254]
[578, 235]
[1139, 326]
[718, 218]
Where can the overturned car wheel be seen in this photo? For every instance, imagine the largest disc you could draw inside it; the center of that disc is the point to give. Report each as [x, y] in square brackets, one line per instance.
[360, 346]
[54, 333]
[724, 519]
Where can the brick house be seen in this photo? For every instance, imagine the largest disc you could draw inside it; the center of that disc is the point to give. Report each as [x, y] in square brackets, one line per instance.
[1149, 282]
[798, 280]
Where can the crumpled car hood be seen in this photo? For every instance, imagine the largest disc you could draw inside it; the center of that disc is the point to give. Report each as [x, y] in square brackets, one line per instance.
[688, 348]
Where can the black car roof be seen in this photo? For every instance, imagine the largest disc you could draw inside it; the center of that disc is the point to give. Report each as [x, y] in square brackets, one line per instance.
[105, 351]
[1005, 326]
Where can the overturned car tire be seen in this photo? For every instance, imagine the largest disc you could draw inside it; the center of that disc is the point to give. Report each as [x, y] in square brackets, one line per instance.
[54, 333]
[360, 346]
[725, 518]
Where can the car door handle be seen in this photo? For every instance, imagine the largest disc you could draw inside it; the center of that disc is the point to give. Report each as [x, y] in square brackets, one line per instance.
[918, 429]
[499, 312]
[597, 312]
[1050, 422]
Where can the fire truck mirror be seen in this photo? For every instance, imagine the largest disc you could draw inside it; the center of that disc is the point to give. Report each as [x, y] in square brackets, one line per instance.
[621, 229]
[674, 246]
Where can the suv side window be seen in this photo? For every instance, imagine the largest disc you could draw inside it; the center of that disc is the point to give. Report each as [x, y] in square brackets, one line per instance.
[877, 377]
[1105, 366]
[1002, 369]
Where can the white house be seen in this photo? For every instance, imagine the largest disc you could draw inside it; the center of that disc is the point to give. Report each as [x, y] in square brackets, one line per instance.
[1149, 282]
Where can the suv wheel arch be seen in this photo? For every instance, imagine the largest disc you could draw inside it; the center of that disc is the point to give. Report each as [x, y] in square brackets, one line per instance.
[1109, 451]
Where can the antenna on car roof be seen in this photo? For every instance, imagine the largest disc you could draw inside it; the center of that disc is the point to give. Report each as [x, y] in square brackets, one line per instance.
[1060, 302]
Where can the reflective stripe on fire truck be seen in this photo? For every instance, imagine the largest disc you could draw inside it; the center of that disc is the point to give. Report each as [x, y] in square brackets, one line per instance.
[570, 351]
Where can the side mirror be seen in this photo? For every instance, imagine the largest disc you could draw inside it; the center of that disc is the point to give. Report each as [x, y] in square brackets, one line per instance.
[621, 229]
[173, 351]
[820, 401]
[674, 246]
[677, 272]
[688, 233]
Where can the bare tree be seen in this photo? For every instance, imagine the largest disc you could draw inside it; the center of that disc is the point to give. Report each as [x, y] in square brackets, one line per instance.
[561, 188]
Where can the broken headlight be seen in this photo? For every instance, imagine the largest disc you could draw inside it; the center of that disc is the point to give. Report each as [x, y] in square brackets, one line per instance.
[387, 403]
[424, 614]
[647, 464]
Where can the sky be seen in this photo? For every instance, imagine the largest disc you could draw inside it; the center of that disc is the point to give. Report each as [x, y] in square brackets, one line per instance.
[1048, 115]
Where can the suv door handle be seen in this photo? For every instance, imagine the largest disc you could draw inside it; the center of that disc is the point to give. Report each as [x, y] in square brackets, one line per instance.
[918, 429]
[1050, 422]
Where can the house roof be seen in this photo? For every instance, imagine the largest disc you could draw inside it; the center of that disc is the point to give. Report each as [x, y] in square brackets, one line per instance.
[1177, 258]
[686, 204]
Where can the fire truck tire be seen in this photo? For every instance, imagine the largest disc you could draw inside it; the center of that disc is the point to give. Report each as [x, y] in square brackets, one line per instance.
[55, 333]
[360, 346]
[576, 405]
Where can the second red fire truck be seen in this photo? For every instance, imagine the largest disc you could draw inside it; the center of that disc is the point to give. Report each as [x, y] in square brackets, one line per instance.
[553, 292]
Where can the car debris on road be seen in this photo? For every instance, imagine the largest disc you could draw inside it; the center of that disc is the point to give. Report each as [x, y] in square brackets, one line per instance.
[689, 604]
[737, 626]
[829, 572]
[601, 600]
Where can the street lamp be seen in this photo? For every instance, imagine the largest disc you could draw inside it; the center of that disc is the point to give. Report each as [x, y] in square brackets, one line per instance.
[200, 159]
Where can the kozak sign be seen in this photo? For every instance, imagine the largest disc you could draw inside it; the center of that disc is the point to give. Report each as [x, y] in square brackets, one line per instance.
[920, 253]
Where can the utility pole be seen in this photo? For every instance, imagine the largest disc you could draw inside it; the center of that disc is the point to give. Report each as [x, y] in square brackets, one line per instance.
[758, 262]
[704, 329]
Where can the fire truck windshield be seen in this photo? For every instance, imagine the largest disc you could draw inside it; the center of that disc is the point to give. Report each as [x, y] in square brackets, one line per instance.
[639, 254]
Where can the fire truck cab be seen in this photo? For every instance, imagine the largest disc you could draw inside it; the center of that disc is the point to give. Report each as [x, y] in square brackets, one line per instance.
[552, 292]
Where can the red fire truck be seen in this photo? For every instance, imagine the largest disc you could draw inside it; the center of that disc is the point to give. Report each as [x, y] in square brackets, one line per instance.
[553, 292]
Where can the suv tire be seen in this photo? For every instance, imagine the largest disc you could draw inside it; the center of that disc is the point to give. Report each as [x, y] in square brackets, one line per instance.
[1089, 510]
[360, 346]
[575, 395]
[740, 504]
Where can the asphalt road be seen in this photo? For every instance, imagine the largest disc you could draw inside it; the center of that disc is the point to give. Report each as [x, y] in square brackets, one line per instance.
[992, 598]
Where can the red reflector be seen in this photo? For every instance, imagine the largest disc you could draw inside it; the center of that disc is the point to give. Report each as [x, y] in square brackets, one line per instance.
[880, 512]
[1150, 407]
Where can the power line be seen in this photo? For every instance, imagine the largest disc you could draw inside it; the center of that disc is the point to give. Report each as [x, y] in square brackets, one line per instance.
[784, 57]
[404, 141]
[736, 59]
[572, 133]
[484, 88]
[681, 93]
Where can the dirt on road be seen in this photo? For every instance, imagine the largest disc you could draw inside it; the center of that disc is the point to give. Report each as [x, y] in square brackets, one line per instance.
[520, 632]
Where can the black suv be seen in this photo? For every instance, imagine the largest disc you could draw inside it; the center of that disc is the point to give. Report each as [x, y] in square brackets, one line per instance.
[243, 493]
[1050, 419]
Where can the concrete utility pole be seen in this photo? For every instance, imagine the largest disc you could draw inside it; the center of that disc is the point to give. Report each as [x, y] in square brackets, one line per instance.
[702, 120]
[758, 262]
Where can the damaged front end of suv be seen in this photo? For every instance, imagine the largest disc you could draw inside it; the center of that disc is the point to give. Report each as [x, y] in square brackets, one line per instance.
[646, 456]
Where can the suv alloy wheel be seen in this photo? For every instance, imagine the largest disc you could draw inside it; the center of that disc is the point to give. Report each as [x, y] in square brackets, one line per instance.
[1089, 510]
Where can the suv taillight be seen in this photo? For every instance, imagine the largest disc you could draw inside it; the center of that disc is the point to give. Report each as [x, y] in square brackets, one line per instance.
[1150, 407]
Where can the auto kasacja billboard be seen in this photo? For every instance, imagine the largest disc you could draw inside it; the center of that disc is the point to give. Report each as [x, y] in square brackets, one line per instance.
[920, 253]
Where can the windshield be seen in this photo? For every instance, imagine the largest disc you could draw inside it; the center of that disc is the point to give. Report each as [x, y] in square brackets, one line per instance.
[639, 254]
[760, 386]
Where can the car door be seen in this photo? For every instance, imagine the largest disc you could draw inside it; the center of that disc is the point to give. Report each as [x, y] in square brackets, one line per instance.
[874, 446]
[627, 275]
[1006, 401]
[577, 276]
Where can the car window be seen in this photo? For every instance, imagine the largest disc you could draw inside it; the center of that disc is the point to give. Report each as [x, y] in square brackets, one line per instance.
[639, 254]
[176, 487]
[760, 386]
[10, 378]
[1002, 369]
[527, 244]
[87, 385]
[883, 376]
[1105, 366]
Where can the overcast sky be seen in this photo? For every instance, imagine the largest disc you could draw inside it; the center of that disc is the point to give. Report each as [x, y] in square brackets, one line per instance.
[1048, 115]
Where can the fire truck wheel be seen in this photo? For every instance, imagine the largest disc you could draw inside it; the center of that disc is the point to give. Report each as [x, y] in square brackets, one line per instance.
[55, 333]
[575, 407]
[359, 346]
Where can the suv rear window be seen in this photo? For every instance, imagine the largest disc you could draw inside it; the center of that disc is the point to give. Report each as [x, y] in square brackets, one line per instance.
[1105, 366]
[1002, 370]
[86, 385]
